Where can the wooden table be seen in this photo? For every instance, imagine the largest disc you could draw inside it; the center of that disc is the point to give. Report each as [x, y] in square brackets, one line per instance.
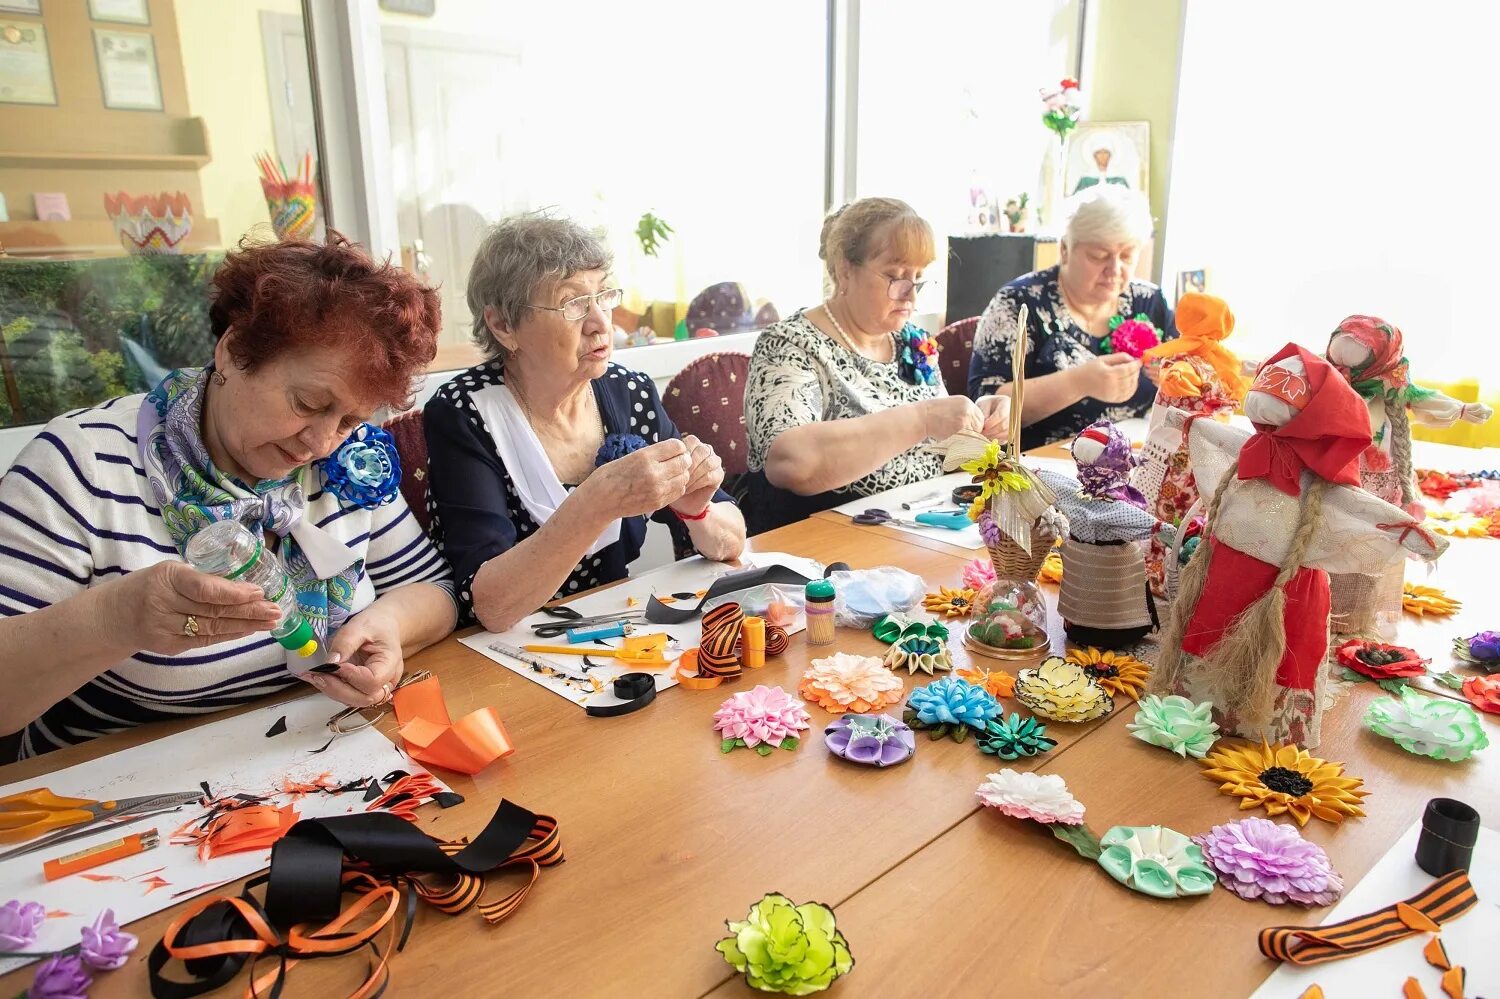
[666, 837]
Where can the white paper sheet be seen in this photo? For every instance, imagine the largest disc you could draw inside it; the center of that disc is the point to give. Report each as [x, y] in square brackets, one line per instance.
[234, 756]
[687, 576]
[1470, 939]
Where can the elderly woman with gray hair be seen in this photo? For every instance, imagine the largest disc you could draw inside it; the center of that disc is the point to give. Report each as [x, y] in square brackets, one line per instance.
[1073, 378]
[546, 459]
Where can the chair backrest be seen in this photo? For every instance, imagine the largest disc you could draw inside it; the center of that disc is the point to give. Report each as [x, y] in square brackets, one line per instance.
[955, 346]
[707, 399]
[411, 445]
[724, 307]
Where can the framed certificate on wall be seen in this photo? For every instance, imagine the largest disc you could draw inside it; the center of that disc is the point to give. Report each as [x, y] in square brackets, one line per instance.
[120, 11]
[127, 70]
[22, 6]
[25, 64]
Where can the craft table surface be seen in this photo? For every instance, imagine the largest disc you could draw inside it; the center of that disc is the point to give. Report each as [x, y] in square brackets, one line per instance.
[666, 837]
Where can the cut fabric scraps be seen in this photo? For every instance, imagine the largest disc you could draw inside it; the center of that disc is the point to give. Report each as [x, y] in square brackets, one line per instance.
[1258, 859]
[1428, 726]
[1155, 861]
[406, 792]
[761, 719]
[1285, 780]
[1040, 798]
[950, 707]
[1174, 722]
[1014, 737]
[1061, 691]
[278, 727]
[978, 574]
[843, 682]
[1116, 672]
[1423, 600]
[1484, 693]
[875, 740]
[950, 602]
[927, 653]
[1436, 954]
[1378, 661]
[783, 947]
[237, 830]
[998, 682]
[466, 746]
[1444, 900]
[1481, 649]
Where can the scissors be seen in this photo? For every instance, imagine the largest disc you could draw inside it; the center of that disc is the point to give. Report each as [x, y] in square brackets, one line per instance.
[570, 619]
[45, 818]
[951, 520]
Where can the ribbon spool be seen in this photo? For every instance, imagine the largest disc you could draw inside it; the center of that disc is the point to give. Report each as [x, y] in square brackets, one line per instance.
[717, 654]
[776, 640]
[635, 690]
[689, 677]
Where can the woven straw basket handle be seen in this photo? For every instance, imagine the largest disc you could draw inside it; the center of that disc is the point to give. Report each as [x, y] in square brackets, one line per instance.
[1173, 567]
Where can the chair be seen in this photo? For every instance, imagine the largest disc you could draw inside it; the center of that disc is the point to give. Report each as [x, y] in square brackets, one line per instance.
[724, 308]
[707, 399]
[411, 445]
[955, 346]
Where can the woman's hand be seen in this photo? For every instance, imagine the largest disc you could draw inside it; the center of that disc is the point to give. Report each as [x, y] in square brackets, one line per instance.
[153, 607]
[947, 415]
[996, 410]
[642, 482]
[368, 651]
[1113, 378]
[705, 475]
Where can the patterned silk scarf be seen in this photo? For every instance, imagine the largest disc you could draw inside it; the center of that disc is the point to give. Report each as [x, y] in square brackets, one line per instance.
[193, 494]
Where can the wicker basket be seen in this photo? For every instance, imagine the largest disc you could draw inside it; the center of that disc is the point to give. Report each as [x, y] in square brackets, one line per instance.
[1012, 562]
[1172, 567]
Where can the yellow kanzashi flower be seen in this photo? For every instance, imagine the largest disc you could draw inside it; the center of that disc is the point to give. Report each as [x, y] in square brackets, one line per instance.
[950, 602]
[1116, 672]
[1052, 569]
[1457, 524]
[992, 478]
[1422, 600]
[1285, 780]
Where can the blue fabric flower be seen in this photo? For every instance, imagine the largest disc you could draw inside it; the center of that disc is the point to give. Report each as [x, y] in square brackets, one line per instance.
[951, 706]
[617, 446]
[917, 355]
[365, 470]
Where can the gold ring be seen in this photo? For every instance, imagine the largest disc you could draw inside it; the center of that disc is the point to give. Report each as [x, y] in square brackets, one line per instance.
[385, 694]
[190, 626]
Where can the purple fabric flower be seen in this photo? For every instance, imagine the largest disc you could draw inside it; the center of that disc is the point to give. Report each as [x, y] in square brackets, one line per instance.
[106, 946]
[19, 922]
[1485, 646]
[60, 977]
[1108, 476]
[1259, 859]
[989, 531]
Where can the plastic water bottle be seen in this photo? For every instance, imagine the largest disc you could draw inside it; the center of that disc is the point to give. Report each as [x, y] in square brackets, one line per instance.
[226, 548]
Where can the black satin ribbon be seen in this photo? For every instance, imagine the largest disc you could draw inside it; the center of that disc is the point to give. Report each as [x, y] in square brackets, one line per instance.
[636, 690]
[731, 582]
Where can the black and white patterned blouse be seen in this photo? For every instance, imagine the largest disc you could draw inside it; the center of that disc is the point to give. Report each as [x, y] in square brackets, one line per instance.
[476, 511]
[1054, 342]
[800, 375]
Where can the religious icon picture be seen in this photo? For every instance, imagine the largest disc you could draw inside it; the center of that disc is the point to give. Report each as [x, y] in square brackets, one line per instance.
[1109, 152]
[1191, 281]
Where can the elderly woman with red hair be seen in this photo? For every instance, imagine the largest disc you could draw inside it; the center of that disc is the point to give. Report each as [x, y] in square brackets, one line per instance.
[96, 514]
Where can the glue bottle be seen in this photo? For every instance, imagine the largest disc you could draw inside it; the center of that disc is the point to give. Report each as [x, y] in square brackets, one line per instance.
[226, 548]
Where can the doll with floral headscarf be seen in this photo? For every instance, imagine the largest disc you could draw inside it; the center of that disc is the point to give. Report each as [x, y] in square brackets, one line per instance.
[1198, 376]
[1249, 628]
[1104, 600]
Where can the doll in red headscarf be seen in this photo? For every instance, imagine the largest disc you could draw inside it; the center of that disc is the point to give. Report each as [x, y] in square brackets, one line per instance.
[1249, 628]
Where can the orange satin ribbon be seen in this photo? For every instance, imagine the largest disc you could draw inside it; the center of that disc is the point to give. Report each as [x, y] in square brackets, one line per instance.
[466, 746]
[687, 673]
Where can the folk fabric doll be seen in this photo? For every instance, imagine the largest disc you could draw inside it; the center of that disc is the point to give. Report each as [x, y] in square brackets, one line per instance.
[1104, 600]
[1198, 376]
[1249, 629]
[1368, 352]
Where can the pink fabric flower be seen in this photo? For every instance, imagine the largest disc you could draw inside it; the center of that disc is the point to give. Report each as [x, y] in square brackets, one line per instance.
[1259, 859]
[1042, 798]
[978, 574]
[1134, 337]
[105, 946]
[18, 923]
[763, 715]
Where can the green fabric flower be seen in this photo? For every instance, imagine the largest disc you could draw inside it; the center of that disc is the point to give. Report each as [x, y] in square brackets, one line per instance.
[782, 947]
[1011, 738]
[1176, 723]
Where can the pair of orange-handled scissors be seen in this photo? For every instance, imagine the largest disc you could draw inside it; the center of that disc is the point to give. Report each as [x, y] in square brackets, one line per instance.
[45, 818]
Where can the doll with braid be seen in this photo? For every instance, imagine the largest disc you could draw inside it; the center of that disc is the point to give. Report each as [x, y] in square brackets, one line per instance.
[1249, 629]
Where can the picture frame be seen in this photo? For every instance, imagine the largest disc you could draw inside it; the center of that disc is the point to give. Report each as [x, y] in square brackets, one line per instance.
[128, 75]
[1108, 152]
[1193, 280]
[120, 11]
[21, 7]
[25, 64]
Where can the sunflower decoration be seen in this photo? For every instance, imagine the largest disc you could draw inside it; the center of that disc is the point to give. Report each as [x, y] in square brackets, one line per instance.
[1285, 780]
[1116, 672]
[950, 602]
[1052, 569]
[1424, 600]
[998, 682]
[992, 478]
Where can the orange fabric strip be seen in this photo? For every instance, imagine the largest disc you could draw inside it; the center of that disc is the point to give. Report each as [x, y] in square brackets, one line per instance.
[1436, 954]
[1453, 982]
[467, 746]
[1446, 898]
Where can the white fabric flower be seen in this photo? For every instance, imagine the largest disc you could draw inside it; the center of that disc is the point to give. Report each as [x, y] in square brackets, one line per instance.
[1042, 798]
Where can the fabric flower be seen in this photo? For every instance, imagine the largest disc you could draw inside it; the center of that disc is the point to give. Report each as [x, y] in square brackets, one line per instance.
[1428, 726]
[1156, 861]
[365, 470]
[761, 719]
[949, 602]
[1482, 650]
[60, 977]
[842, 682]
[998, 682]
[978, 574]
[1259, 859]
[1132, 336]
[1438, 485]
[877, 740]
[1380, 662]
[989, 531]
[925, 653]
[1062, 691]
[617, 446]
[1176, 723]
[1285, 780]
[1116, 672]
[19, 922]
[1042, 798]
[1484, 693]
[105, 946]
[1456, 524]
[1014, 737]
[784, 947]
[1052, 569]
[993, 477]
[950, 707]
[916, 355]
[1423, 600]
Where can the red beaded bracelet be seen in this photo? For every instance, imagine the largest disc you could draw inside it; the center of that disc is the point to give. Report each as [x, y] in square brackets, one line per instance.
[697, 516]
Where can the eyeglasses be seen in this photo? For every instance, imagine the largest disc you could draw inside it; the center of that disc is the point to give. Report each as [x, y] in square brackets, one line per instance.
[353, 719]
[900, 287]
[575, 309]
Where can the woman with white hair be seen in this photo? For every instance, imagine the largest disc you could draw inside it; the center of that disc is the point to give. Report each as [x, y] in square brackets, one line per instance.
[1073, 379]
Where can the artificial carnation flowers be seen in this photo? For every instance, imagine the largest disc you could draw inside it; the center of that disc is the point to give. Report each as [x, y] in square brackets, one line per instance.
[783, 947]
[1061, 691]
[1040, 798]
[843, 682]
[1428, 726]
[1174, 722]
